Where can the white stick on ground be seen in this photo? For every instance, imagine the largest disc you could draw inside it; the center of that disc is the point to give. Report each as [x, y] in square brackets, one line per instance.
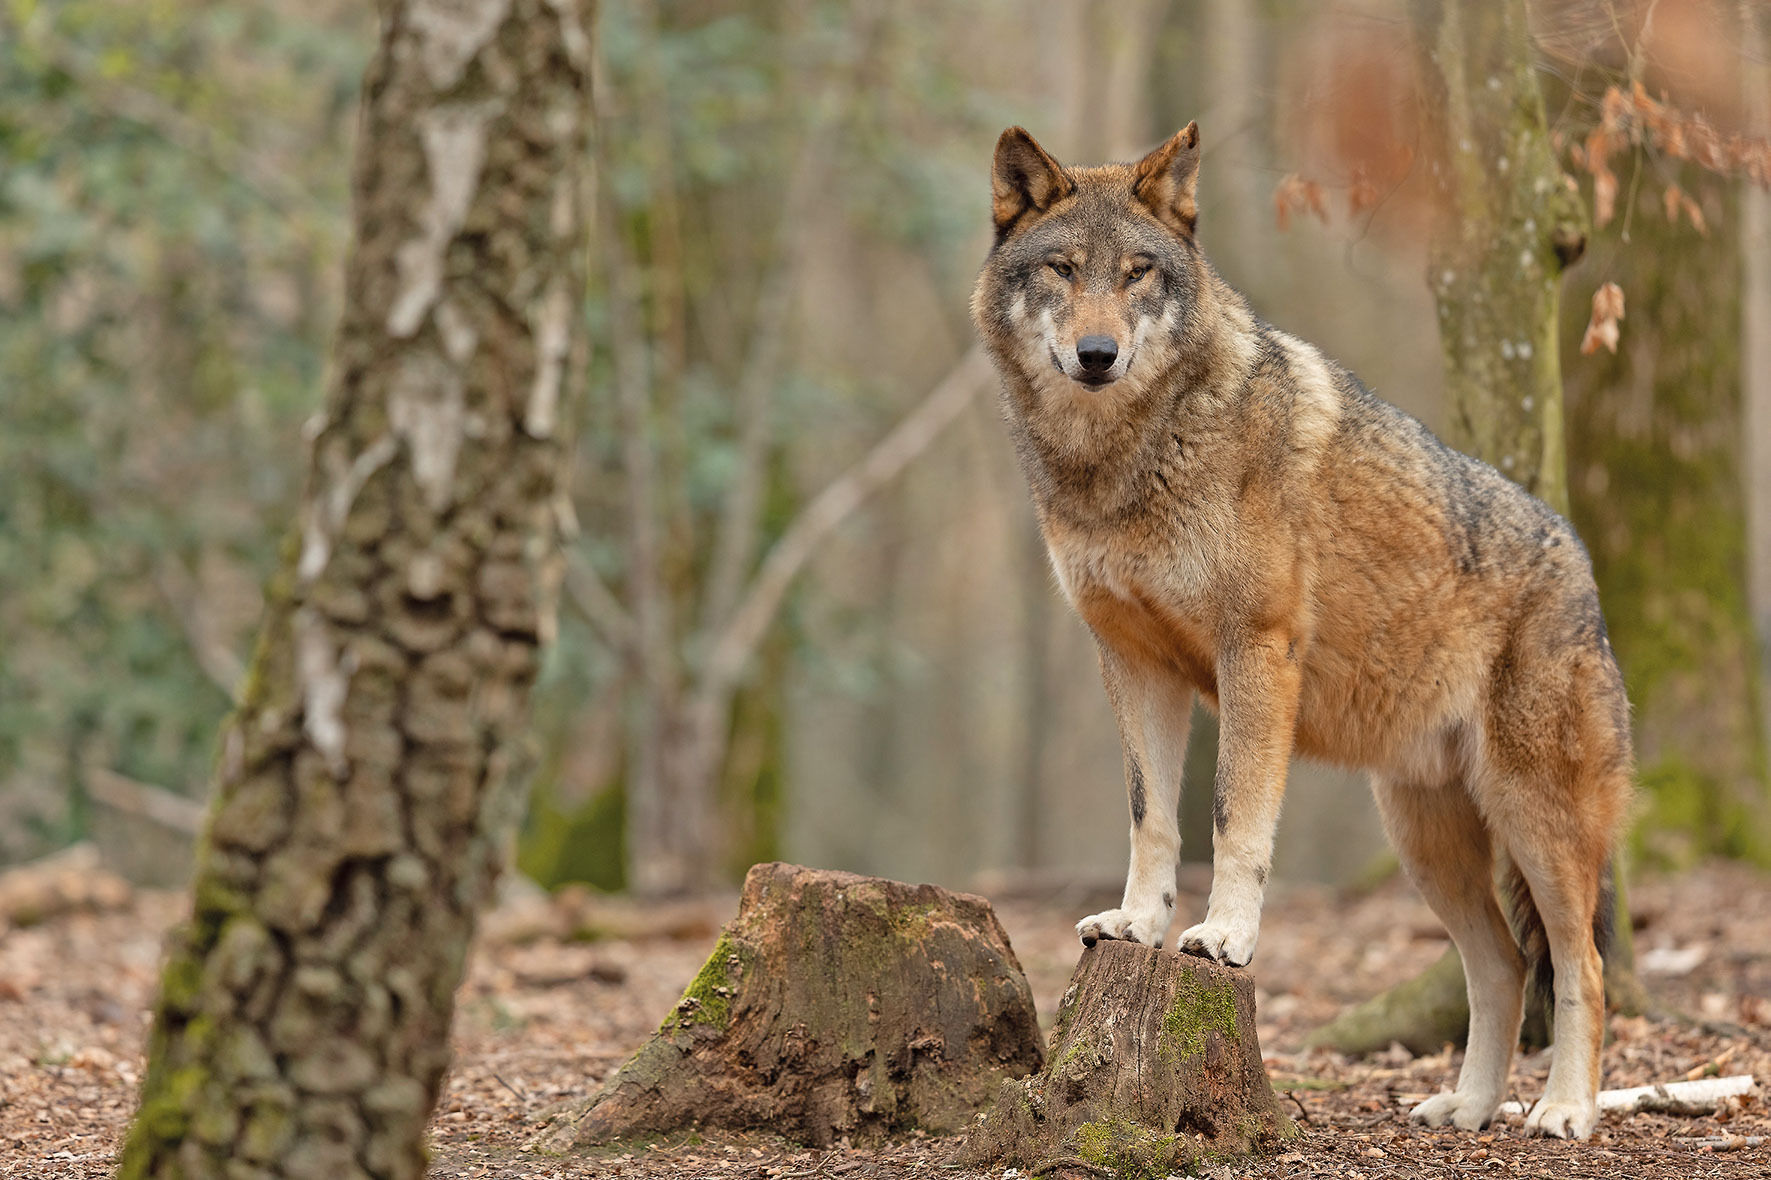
[1687, 1098]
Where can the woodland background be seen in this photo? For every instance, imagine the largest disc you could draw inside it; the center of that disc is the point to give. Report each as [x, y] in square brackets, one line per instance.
[791, 207]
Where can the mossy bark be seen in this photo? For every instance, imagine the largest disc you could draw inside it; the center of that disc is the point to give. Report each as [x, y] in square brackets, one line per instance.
[1507, 226]
[832, 1005]
[1154, 1068]
[363, 802]
[1660, 497]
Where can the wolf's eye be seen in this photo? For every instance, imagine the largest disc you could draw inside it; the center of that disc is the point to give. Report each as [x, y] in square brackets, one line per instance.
[1062, 269]
[1137, 272]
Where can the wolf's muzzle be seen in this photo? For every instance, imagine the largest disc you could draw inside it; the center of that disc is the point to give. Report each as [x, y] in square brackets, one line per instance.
[1096, 355]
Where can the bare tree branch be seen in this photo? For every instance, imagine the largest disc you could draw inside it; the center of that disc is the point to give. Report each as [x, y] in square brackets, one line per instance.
[144, 799]
[739, 637]
[599, 606]
[740, 530]
[218, 661]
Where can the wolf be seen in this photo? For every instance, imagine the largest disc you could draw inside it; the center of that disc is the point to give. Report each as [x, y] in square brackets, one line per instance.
[1236, 518]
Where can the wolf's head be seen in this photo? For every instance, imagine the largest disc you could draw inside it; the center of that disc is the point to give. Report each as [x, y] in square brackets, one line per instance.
[1087, 291]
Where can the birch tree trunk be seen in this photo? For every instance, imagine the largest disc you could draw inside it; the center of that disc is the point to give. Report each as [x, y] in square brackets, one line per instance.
[362, 803]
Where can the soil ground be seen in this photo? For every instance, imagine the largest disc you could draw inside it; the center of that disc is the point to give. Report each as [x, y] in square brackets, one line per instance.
[561, 990]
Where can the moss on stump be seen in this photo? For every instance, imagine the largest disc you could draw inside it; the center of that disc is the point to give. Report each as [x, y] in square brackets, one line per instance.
[832, 1005]
[1154, 1069]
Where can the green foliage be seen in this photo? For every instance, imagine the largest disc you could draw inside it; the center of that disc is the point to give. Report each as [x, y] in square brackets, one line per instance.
[171, 205]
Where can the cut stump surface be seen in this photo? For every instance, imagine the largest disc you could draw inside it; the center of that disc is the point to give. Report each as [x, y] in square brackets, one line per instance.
[1154, 1068]
[833, 1005]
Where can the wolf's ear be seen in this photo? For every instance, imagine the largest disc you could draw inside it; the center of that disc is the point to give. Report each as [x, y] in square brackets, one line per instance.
[1167, 180]
[1023, 178]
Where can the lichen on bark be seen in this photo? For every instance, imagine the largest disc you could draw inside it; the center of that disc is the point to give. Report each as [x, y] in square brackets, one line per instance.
[362, 797]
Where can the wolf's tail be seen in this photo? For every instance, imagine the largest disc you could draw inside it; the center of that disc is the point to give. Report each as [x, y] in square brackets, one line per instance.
[1534, 941]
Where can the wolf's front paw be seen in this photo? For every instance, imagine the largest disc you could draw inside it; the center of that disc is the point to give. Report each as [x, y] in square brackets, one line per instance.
[1227, 943]
[1127, 925]
[1562, 1119]
[1471, 1112]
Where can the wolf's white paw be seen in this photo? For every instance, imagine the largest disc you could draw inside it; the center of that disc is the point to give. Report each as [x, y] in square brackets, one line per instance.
[1127, 925]
[1223, 941]
[1471, 1112]
[1562, 1119]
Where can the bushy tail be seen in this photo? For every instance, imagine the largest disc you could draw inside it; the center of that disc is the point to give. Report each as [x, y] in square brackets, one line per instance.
[1534, 942]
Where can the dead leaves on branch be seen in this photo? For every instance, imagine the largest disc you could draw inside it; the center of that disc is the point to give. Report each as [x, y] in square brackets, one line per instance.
[1297, 195]
[1602, 327]
[1631, 118]
[1676, 200]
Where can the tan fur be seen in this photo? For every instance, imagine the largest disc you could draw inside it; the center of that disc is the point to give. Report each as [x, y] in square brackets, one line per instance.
[1233, 515]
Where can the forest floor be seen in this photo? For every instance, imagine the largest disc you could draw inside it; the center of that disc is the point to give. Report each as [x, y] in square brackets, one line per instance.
[547, 1013]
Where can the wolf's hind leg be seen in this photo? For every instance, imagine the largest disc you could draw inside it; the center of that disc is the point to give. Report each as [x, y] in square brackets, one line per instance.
[1154, 708]
[1564, 880]
[1446, 849]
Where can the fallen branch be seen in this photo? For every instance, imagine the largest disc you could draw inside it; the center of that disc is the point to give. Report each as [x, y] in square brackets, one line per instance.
[1728, 1142]
[1681, 1098]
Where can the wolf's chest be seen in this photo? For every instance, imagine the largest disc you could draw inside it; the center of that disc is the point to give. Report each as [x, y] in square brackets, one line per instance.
[1150, 605]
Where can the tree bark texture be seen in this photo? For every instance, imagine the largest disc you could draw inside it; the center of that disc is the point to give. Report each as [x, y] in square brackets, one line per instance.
[1154, 1068]
[1508, 224]
[363, 800]
[832, 1005]
[1660, 499]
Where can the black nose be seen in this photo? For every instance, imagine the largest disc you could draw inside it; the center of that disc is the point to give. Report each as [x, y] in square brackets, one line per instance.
[1096, 353]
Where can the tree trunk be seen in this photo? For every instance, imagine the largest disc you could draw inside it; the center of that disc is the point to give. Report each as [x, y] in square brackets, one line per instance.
[1660, 498]
[1155, 1068]
[1507, 227]
[832, 1005]
[1755, 335]
[363, 800]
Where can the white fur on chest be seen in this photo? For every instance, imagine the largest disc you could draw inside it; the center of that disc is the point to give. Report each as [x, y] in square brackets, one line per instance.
[1178, 572]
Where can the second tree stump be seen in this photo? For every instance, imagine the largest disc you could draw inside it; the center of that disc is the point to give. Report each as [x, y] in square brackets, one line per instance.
[1153, 1068]
[832, 1005]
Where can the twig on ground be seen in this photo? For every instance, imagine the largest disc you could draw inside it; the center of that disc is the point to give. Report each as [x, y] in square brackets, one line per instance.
[1713, 1066]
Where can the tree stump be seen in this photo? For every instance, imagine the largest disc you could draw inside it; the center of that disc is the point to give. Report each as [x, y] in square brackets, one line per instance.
[1154, 1069]
[832, 1005]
